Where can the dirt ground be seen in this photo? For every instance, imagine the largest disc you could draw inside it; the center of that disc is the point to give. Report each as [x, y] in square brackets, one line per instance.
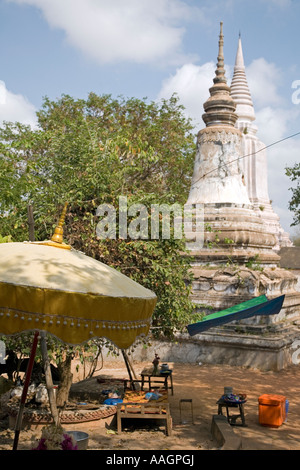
[204, 385]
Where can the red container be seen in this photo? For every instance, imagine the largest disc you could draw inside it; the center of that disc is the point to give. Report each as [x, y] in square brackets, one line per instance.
[271, 410]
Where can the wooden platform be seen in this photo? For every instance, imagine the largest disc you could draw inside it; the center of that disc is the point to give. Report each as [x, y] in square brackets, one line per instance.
[136, 406]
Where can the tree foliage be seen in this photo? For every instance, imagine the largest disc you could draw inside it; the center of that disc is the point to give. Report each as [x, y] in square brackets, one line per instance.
[89, 152]
[294, 204]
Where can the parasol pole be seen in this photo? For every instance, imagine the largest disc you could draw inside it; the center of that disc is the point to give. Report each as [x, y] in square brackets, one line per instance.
[25, 389]
[58, 239]
[48, 378]
[30, 222]
[128, 368]
[130, 365]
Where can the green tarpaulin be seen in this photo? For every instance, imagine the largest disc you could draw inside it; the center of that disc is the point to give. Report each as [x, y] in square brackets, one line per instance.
[256, 306]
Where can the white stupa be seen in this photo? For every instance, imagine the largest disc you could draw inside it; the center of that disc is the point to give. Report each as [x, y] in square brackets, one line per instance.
[253, 152]
[218, 179]
[237, 260]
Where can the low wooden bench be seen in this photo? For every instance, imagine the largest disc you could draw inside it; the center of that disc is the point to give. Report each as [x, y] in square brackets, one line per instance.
[136, 406]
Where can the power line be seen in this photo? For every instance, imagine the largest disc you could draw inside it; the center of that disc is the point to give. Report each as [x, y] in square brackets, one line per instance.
[248, 155]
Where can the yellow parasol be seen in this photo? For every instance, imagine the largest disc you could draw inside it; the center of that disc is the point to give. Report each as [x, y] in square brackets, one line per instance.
[50, 287]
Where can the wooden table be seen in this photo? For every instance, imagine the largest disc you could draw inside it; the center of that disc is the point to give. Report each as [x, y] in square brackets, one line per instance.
[136, 406]
[229, 406]
[147, 375]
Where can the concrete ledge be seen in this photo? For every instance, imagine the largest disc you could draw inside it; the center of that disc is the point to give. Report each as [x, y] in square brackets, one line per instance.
[223, 433]
[272, 351]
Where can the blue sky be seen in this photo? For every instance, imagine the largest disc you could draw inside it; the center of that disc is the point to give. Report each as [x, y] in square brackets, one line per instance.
[153, 48]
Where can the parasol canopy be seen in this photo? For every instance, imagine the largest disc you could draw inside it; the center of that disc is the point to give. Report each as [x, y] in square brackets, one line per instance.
[50, 286]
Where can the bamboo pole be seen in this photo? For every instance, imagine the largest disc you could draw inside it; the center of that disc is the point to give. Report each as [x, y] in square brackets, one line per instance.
[127, 365]
[130, 365]
[30, 222]
[25, 389]
[129, 368]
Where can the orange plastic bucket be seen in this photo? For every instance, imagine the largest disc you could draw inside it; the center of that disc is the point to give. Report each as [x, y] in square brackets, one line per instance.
[271, 410]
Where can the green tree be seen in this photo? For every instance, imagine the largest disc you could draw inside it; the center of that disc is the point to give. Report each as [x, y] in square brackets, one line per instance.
[294, 204]
[88, 152]
[93, 150]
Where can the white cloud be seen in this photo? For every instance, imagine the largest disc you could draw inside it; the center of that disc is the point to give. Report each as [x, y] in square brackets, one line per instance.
[15, 107]
[191, 83]
[274, 122]
[263, 79]
[140, 31]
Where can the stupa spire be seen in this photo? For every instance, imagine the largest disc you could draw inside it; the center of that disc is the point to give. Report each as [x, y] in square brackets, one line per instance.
[220, 72]
[239, 88]
[220, 107]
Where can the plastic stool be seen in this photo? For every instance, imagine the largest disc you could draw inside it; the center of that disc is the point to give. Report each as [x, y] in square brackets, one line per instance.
[186, 400]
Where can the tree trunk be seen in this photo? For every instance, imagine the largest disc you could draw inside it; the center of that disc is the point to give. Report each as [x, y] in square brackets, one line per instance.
[66, 375]
[48, 377]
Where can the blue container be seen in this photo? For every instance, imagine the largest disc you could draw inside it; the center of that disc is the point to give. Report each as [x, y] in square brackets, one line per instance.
[112, 401]
[286, 410]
